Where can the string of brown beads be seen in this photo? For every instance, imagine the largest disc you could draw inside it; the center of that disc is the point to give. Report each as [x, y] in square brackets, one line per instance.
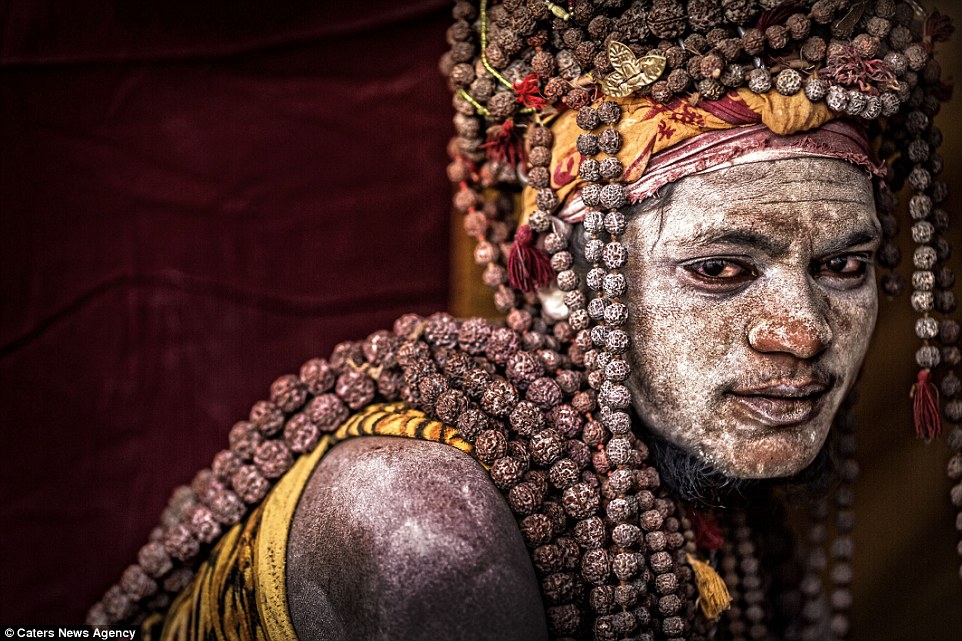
[843, 545]
[955, 473]
[814, 607]
[754, 611]
[605, 341]
[299, 410]
[510, 392]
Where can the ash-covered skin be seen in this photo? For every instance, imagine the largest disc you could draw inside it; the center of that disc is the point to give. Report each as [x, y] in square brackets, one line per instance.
[752, 300]
[403, 539]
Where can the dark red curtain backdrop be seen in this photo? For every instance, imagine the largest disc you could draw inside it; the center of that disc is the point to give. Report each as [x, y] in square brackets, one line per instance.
[194, 200]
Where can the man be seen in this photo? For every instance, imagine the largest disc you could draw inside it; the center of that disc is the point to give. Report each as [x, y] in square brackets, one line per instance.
[751, 385]
[707, 336]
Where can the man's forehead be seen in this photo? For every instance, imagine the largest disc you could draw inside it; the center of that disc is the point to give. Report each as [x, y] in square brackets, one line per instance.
[788, 180]
[823, 210]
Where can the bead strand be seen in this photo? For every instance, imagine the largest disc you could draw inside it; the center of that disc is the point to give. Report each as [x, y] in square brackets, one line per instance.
[753, 596]
[954, 470]
[728, 565]
[261, 448]
[814, 611]
[611, 603]
[843, 545]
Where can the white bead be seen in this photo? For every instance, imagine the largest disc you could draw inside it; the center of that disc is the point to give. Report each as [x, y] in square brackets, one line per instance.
[568, 280]
[922, 301]
[923, 280]
[924, 257]
[926, 328]
[928, 356]
[575, 299]
[594, 222]
[596, 308]
[615, 285]
[594, 248]
[595, 278]
[922, 231]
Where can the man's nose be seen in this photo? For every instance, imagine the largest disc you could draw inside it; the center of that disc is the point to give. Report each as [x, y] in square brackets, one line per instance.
[797, 327]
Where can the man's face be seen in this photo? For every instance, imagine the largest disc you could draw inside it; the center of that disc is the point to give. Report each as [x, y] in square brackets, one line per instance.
[752, 300]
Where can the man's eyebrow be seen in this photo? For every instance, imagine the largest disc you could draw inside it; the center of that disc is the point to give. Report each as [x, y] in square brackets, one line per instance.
[754, 240]
[864, 236]
[736, 237]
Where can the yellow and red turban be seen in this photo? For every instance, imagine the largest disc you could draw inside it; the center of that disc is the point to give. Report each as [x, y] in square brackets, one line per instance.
[662, 143]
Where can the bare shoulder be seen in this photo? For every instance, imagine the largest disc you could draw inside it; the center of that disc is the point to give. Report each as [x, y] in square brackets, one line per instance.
[398, 538]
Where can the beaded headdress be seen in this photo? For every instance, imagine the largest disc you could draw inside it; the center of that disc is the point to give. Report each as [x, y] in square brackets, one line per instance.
[542, 397]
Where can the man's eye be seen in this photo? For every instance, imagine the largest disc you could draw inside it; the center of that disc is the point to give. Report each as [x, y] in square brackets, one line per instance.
[716, 269]
[844, 266]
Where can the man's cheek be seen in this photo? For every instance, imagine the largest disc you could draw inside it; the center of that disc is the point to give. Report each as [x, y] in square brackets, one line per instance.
[708, 334]
[853, 322]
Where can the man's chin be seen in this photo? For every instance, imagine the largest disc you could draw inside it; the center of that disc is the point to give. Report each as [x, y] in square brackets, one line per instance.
[760, 461]
[701, 482]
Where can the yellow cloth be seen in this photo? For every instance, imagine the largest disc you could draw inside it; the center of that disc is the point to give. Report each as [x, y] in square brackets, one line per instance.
[648, 126]
[239, 593]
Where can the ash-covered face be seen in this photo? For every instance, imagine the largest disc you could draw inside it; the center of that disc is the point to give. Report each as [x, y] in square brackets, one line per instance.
[752, 300]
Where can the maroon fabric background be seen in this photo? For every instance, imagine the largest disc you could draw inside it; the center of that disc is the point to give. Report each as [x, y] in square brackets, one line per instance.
[194, 201]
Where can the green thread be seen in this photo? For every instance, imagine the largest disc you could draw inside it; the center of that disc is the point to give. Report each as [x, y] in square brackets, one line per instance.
[484, 47]
[481, 109]
[557, 10]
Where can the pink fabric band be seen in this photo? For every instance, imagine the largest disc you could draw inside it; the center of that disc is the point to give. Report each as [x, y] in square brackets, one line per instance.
[838, 139]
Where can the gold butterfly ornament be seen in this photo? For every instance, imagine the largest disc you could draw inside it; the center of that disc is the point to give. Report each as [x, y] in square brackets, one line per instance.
[631, 72]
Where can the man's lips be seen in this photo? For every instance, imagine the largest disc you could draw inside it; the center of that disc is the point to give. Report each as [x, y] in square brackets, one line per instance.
[781, 403]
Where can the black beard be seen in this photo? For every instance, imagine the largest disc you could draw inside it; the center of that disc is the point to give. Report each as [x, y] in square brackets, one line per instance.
[701, 484]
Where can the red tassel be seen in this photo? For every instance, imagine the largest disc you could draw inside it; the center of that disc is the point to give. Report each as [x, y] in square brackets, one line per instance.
[505, 144]
[708, 535]
[938, 28]
[528, 267]
[925, 406]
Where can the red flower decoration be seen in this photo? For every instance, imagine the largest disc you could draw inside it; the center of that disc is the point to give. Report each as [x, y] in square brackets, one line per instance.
[849, 69]
[528, 93]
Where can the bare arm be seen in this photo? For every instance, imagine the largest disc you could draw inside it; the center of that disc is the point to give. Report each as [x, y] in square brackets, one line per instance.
[397, 538]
